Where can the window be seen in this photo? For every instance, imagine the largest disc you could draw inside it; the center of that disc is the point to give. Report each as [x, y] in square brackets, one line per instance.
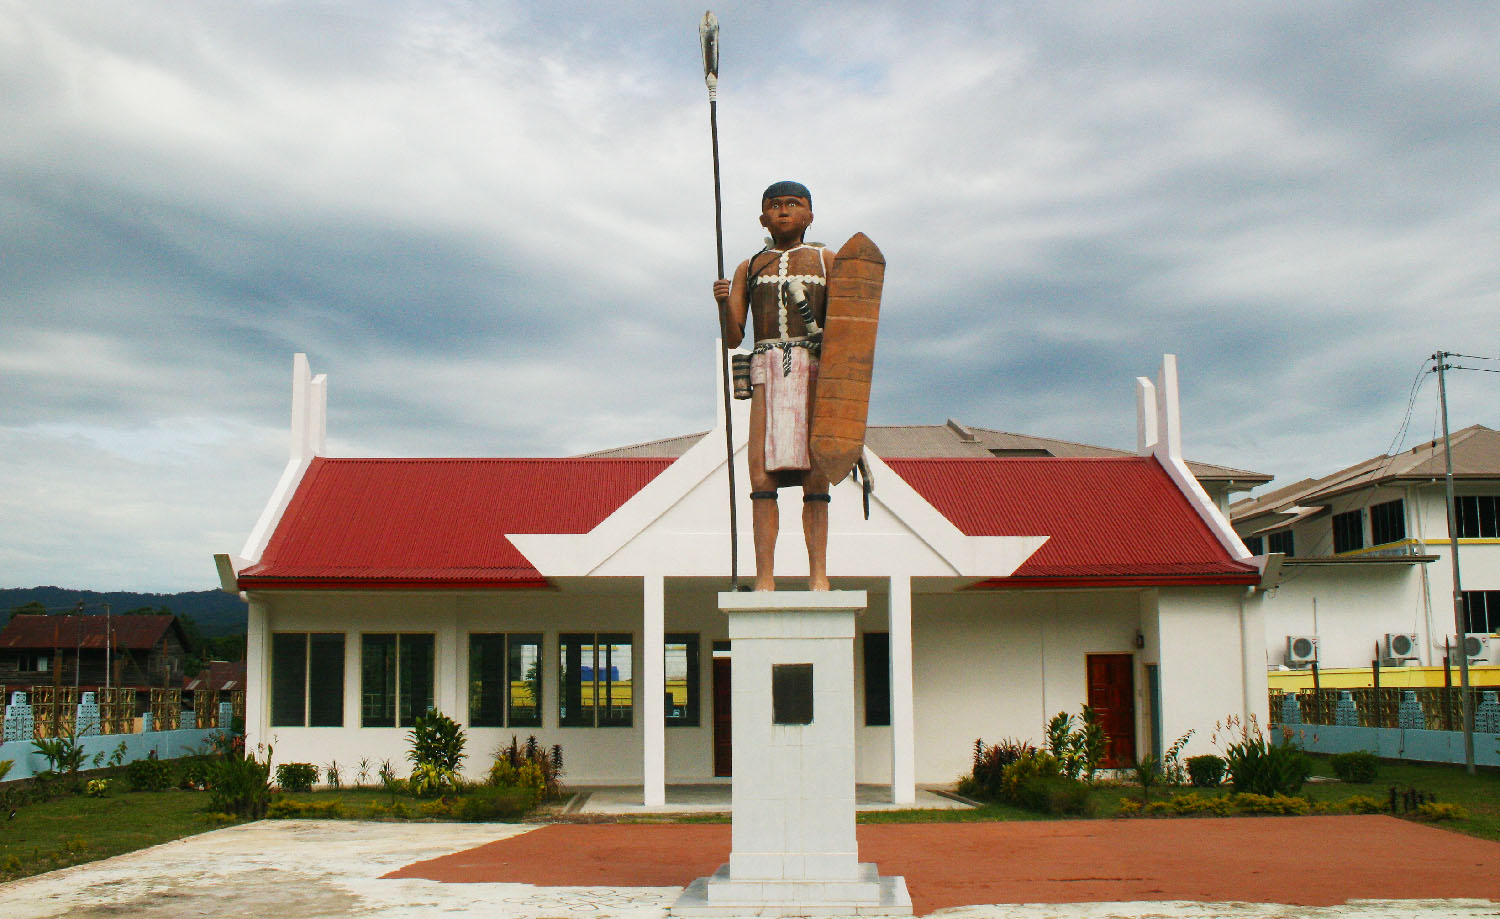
[594, 676]
[682, 680]
[1482, 610]
[396, 679]
[1387, 522]
[1477, 516]
[1280, 541]
[307, 679]
[877, 678]
[1348, 531]
[33, 661]
[1256, 545]
[505, 680]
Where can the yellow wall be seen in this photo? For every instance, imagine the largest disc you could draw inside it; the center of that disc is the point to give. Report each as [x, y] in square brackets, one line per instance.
[1352, 677]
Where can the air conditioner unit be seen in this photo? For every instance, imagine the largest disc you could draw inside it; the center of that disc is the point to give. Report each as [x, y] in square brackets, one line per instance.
[1301, 649]
[1400, 646]
[1475, 647]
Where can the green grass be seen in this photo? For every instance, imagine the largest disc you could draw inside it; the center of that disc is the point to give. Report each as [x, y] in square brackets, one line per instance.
[73, 829]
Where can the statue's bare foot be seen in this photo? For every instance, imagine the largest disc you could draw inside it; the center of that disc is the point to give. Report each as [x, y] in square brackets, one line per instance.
[765, 583]
[817, 583]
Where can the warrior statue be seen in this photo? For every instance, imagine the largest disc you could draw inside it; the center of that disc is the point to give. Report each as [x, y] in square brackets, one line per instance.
[782, 290]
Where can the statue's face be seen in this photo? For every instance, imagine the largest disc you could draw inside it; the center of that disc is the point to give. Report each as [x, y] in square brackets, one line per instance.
[786, 216]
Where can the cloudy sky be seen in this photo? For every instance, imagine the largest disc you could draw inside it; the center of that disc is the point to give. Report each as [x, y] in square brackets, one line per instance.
[491, 225]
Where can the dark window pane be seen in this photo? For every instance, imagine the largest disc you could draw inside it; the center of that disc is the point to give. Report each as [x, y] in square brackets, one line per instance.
[325, 680]
[1489, 527]
[877, 678]
[416, 652]
[525, 680]
[1348, 532]
[681, 679]
[614, 684]
[575, 669]
[288, 679]
[377, 664]
[487, 681]
[1281, 541]
[1256, 545]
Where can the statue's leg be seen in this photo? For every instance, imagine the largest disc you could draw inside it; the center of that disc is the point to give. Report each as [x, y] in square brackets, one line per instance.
[815, 528]
[765, 516]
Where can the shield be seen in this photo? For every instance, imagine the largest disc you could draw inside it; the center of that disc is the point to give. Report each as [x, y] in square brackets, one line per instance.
[841, 402]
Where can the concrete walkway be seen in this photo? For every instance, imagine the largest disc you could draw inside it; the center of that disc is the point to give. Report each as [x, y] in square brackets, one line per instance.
[625, 800]
[291, 869]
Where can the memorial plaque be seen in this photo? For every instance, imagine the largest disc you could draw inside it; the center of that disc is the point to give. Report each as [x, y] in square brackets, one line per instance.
[792, 693]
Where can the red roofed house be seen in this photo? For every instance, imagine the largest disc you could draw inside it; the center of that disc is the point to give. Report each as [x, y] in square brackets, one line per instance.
[575, 599]
[143, 651]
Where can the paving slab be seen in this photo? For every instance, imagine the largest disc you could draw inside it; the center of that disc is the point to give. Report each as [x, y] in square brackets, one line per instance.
[290, 869]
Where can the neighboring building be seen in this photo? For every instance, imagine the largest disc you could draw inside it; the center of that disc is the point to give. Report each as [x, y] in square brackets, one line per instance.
[218, 676]
[575, 599]
[1368, 570]
[144, 651]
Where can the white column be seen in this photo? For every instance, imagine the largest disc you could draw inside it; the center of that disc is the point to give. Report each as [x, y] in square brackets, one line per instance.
[903, 710]
[653, 688]
[257, 674]
[450, 666]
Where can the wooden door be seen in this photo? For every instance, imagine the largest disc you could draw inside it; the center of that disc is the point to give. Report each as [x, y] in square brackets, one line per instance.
[723, 748]
[1112, 697]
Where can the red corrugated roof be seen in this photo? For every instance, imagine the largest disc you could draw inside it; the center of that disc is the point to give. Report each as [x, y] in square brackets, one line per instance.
[220, 676]
[1116, 520]
[426, 523]
[133, 632]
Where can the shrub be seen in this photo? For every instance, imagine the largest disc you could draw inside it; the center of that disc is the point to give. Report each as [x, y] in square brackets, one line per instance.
[1357, 767]
[5, 766]
[1192, 804]
[517, 755]
[285, 808]
[1250, 803]
[526, 780]
[149, 774]
[989, 762]
[1206, 771]
[1034, 765]
[1364, 804]
[1055, 794]
[1078, 751]
[436, 740]
[64, 755]
[430, 779]
[296, 776]
[1147, 774]
[98, 788]
[1172, 770]
[1434, 811]
[493, 803]
[395, 809]
[1258, 766]
[240, 784]
[192, 773]
[1130, 807]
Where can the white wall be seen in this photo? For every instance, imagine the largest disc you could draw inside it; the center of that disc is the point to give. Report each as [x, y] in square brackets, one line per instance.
[1204, 645]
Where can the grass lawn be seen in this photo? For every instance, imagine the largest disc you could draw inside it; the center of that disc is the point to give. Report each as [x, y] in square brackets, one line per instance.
[73, 829]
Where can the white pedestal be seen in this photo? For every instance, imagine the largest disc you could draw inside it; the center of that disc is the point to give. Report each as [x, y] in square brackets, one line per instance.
[794, 850]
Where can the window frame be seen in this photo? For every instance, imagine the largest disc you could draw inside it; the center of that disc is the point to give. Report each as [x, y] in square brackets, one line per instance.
[1477, 516]
[1256, 544]
[399, 674]
[1488, 622]
[508, 643]
[594, 641]
[1343, 532]
[1389, 516]
[319, 679]
[691, 710]
[1283, 542]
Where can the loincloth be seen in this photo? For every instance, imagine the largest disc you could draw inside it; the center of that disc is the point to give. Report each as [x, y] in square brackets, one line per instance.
[787, 376]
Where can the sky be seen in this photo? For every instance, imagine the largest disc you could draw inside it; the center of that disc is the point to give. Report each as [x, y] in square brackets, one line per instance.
[491, 224]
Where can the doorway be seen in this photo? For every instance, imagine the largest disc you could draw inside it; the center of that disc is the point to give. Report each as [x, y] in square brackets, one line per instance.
[1112, 697]
[723, 739]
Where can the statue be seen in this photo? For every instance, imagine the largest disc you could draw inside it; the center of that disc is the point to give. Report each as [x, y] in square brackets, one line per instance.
[782, 292]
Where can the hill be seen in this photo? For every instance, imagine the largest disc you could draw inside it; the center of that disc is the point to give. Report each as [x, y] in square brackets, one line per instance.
[215, 612]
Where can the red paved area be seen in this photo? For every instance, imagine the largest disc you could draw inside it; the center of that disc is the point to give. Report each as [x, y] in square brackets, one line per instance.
[1309, 861]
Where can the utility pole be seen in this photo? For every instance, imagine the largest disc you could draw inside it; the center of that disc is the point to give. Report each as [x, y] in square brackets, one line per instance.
[1460, 613]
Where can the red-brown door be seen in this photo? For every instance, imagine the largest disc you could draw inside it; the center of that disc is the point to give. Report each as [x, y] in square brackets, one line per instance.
[723, 749]
[1112, 697]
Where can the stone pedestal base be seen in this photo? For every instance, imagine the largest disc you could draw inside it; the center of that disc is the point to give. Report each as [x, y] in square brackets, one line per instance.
[722, 897]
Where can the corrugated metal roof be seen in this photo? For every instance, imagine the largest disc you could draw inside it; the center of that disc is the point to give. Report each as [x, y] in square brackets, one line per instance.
[219, 676]
[38, 632]
[436, 522]
[1476, 455]
[956, 440]
[1109, 518]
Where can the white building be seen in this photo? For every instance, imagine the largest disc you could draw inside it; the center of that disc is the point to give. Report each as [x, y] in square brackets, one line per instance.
[575, 599]
[1368, 570]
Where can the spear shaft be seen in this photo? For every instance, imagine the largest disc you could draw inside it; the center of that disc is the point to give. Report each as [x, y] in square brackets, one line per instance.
[708, 37]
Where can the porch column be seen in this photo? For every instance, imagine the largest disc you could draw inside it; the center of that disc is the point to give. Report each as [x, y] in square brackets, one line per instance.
[653, 689]
[903, 718]
[257, 673]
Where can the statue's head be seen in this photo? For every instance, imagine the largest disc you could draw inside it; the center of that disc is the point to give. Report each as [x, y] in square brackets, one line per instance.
[786, 210]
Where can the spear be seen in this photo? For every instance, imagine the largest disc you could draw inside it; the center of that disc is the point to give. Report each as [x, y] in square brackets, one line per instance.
[708, 39]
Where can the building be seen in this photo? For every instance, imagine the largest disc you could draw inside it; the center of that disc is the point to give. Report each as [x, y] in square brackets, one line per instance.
[141, 651]
[576, 599]
[1367, 573]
